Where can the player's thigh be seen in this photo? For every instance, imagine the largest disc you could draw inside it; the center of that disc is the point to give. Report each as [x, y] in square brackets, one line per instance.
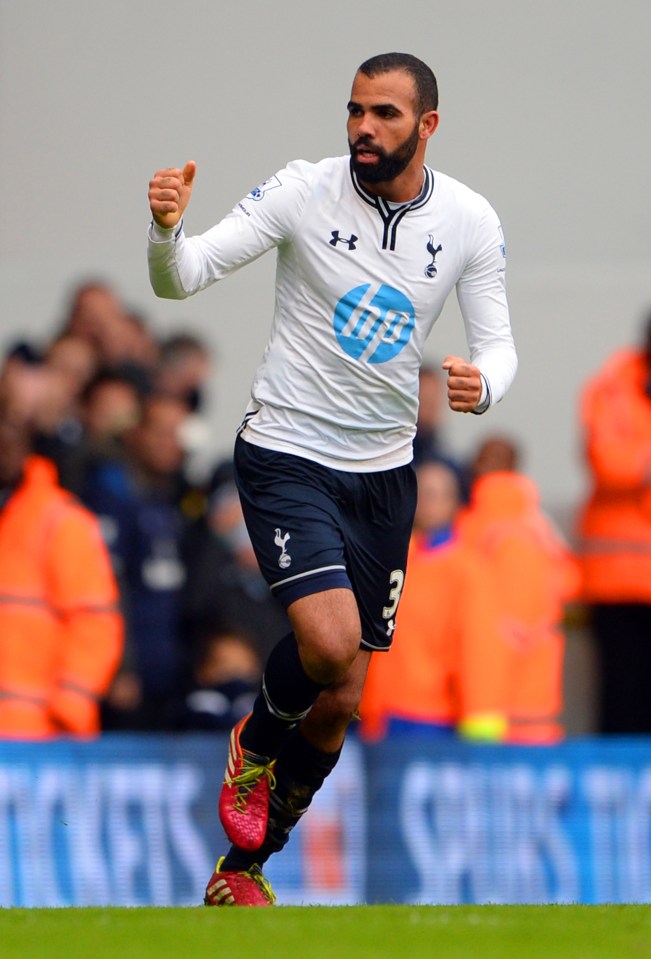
[377, 544]
[292, 511]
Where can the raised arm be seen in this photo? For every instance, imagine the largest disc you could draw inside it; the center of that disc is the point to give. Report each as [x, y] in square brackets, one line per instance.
[180, 265]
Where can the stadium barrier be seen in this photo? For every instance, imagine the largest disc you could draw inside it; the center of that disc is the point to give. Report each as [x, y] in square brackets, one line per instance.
[131, 820]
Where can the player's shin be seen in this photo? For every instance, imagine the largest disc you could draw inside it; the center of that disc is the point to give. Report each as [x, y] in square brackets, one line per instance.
[286, 697]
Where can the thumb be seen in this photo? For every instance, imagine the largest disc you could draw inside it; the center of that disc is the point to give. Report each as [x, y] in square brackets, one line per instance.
[189, 171]
[450, 361]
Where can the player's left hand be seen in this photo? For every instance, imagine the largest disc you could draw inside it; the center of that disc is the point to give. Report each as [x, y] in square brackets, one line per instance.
[464, 384]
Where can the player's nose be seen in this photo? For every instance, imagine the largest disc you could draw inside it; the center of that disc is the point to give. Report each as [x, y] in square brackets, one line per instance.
[366, 127]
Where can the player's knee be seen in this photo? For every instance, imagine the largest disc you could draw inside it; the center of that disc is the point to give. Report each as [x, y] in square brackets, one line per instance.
[328, 631]
[327, 658]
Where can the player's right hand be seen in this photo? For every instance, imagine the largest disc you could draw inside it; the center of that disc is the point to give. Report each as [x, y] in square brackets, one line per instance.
[169, 193]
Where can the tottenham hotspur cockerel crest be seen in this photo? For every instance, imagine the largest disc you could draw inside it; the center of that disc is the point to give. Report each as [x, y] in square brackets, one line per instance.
[431, 268]
[284, 560]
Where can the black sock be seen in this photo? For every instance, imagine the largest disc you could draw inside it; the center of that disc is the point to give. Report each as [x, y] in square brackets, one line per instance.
[287, 696]
[300, 772]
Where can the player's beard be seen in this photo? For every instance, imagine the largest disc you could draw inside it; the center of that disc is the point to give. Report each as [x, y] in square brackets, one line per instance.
[389, 165]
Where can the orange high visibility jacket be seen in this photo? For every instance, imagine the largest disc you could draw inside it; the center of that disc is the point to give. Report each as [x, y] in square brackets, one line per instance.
[61, 633]
[615, 522]
[445, 665]
[534, 576]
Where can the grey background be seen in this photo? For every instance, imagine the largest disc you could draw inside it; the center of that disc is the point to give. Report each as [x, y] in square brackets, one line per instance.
[544, 109]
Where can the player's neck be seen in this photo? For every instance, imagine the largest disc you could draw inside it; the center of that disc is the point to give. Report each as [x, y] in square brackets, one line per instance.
[405, 187]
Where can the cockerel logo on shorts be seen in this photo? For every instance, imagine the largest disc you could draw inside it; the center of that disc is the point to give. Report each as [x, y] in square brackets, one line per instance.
[284, 560]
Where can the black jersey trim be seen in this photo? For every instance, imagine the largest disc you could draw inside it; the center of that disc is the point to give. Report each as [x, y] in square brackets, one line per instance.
[247, 418]
[392, 216]
[489, 396]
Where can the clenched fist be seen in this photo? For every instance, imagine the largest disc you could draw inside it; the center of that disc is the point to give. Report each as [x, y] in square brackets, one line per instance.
[169, 193]
[464, 384]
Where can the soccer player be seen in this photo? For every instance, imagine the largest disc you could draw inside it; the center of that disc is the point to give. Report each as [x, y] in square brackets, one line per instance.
[368, 248]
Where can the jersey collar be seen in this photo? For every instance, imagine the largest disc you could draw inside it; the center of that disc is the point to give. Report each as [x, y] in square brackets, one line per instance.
[390, 209]
[392, 214]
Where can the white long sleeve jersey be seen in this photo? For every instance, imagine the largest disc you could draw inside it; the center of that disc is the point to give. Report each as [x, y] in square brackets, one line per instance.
[359, 285]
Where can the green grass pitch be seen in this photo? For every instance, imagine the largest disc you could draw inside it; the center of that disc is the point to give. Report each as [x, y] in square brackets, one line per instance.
[313, 932]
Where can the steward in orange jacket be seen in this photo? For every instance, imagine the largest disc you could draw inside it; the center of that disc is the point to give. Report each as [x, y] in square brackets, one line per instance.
[445, 671]
[445, 667]
[614, 533]
[615, 523]
[534, 575]
[60, 629]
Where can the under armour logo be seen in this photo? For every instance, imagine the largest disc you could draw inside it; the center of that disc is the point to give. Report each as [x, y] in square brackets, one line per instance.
[431, 269]
[284, 560]
[350, 242]
[391, 625]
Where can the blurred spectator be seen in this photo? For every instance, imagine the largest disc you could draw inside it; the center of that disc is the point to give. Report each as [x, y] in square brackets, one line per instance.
[432, 404]
[96, 314]
[138, 501]
[69, 363]
[120, 338]
[22, 353]
[74, 357]
[60, 630]
[225, 681]
[141, 348]
[183, 369]
[497, 454]
[109, 405]
[534, 576]
[48, 398]
[98, 335]
[20, 377]
[429, 442]
[224, 587]
[615, 534]
[445, 671]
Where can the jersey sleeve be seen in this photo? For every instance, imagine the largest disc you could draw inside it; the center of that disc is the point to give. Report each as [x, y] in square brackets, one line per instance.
[481, 292]
[181, 265]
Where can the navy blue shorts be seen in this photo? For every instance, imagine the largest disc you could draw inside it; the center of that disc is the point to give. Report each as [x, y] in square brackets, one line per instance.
[315, 528]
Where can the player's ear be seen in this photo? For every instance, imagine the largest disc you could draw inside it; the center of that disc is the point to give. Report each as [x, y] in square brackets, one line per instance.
[428, 124]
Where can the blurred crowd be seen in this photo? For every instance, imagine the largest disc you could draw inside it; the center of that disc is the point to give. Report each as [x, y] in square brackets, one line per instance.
[108, 417]
[130, 598]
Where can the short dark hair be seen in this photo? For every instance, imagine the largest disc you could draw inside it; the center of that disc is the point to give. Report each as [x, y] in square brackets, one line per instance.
[427, 92]
[108, 375]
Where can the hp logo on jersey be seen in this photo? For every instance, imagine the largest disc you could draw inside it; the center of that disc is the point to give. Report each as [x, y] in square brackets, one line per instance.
[373, 325]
